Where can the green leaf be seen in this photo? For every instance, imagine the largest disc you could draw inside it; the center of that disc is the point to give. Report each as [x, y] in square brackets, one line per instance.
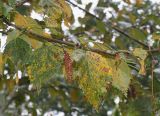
[54, 20]
[121, 76]
[44, 64]
[138, 34]
[88, 6]
[78, 54]
[46, 3]
[12, 2]
[156, 36]
[6, 10]
[12, 35]
[17, 51]
[101, 26]
[141, 106]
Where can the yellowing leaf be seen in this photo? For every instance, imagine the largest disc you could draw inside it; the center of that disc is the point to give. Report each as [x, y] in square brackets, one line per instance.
[44, 64]
[20, 20]
[121, 76]
[93, 75]
[139, 2]
[17, 51]
[94, 89]
[142, 69]
[74, 95]
[17, 78]
[54, 21]
[10, 85]
[156, 36]
[33, 42]
[78, 54]
[30, 24]
[141, 54]
[67, 12]
[99, 64]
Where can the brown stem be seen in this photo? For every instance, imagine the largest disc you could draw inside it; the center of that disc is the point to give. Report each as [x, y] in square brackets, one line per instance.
[152, 81]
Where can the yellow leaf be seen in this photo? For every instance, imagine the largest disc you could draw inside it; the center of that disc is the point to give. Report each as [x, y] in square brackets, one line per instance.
[17, 78]
[47, 35]
[67, 12]
[121, 76]
[139, 2]
[94, 77]
[34, 42]
[142, 70]
[92, 89]
[100, 64]
[141, 54]
[156, 36]
[20, 20]
[30, 24]
[10, 85]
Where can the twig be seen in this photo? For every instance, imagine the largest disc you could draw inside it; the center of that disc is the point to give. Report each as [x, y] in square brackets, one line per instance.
[127, 35]
[152, 81]
[152, 87]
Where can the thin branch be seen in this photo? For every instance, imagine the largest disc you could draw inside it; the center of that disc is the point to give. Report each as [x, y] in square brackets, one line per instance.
[152, 81]
[115, 28]
[127, 35]
[75, 5]
[59, 41]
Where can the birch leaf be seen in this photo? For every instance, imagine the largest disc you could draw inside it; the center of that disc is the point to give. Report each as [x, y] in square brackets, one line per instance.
[141, 54]
[17, 51]
[68, 18]
[44, 64]
[121, 76]
[30, 24]
[93, 77]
